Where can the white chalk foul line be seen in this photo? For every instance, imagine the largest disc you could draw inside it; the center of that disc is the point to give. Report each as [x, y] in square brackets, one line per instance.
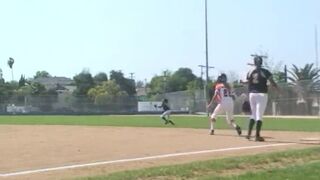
[137, 159]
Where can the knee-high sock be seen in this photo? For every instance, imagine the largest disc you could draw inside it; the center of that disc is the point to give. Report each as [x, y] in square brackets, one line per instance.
[212, 121]
[251, 124]
[259, 125]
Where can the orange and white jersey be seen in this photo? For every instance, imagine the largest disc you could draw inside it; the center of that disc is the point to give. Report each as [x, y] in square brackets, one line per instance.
[221, 92]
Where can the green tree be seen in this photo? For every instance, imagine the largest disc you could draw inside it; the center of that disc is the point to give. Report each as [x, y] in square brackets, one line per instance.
[100, 77]
[127, 85]
[180, 79]
[22, 81]
[23, 92]
[35, 94]
[168, 82]
[276, 69]
[105, 93]
[156, 85]
[37, 88]
[303, 80]
[6, 94]
[83, 82]
[10, 64]
[140, 84]
[42, 74]
[192, 87]
[308, 72]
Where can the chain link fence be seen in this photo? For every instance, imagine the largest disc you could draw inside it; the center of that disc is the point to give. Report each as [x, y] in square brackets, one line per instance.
[300, 98]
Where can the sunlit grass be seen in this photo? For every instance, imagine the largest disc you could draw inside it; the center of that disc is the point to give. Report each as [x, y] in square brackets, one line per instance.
[283, 124]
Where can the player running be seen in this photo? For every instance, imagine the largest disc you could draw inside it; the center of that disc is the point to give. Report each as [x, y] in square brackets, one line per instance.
[166, 111]
[222, 96]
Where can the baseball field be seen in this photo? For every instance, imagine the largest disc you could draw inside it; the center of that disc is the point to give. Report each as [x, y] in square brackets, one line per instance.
[144, 148]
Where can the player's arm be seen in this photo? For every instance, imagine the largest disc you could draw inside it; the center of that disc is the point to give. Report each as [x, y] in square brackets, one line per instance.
[247, 79]
[213, 98]
[156, 106]
[274, 84]
[231, 93]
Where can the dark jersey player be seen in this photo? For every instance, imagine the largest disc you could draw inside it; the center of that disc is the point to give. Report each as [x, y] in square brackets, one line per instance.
[166, 111]
[257, 80]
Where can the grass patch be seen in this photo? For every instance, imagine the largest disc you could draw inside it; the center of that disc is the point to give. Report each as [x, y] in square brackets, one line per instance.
[308, 171]
[283, 124]
[294, 164]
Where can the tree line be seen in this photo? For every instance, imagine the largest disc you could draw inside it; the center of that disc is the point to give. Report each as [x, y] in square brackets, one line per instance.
[100, 89]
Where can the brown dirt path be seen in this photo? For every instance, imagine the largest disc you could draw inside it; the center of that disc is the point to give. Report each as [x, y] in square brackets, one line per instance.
[33, 147]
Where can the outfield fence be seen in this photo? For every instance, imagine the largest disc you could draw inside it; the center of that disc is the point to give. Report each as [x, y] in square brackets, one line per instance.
[301, 98]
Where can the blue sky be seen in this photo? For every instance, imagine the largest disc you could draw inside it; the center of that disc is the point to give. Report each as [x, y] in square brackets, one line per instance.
[146, 37]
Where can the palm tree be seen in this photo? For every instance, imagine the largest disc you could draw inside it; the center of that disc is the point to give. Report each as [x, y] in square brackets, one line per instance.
[10, 64]
[306, 73]
[304, 81]
[304, 78]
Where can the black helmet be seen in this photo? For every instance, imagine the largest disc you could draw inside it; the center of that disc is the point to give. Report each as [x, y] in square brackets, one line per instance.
[222, 77]
[258, 61]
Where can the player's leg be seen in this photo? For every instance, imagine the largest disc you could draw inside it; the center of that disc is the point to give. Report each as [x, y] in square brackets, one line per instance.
[261, 107]
[252, 100]
[229, 106]
[167, 115]
[163, 117]
[213, 117]
[232, 124]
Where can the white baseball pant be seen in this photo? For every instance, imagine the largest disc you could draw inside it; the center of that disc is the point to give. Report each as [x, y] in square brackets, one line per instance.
[226, 106]
[258, 103]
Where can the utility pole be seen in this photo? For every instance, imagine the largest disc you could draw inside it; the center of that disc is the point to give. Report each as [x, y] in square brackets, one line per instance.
[203, 66]
[132, 80]
[285, 74]
[207, 53]
[131, 76]
[316, 46]
[165, 75]
[317, 61]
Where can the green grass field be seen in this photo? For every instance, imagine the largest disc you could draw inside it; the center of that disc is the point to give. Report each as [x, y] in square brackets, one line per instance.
[295, 165]
[291, 165]
[283, 124]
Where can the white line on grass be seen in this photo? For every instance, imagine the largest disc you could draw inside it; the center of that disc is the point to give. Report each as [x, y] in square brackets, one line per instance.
[136, 159]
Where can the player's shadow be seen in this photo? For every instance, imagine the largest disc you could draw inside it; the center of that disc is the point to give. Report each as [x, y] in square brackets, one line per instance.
[269, 139]
[229, 135]
[273, 140]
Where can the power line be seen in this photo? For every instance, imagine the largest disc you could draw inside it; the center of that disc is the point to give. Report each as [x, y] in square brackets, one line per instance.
[202, 67]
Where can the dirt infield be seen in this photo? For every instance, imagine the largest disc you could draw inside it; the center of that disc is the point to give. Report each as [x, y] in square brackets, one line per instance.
[56, 152]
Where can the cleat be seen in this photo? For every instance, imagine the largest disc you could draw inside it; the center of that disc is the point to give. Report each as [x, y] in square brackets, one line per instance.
[171, 122]
[238, 129]
[259, 139]
[211, 132]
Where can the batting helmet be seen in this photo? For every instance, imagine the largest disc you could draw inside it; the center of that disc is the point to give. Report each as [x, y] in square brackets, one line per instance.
[258, 61]
[222, 77]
